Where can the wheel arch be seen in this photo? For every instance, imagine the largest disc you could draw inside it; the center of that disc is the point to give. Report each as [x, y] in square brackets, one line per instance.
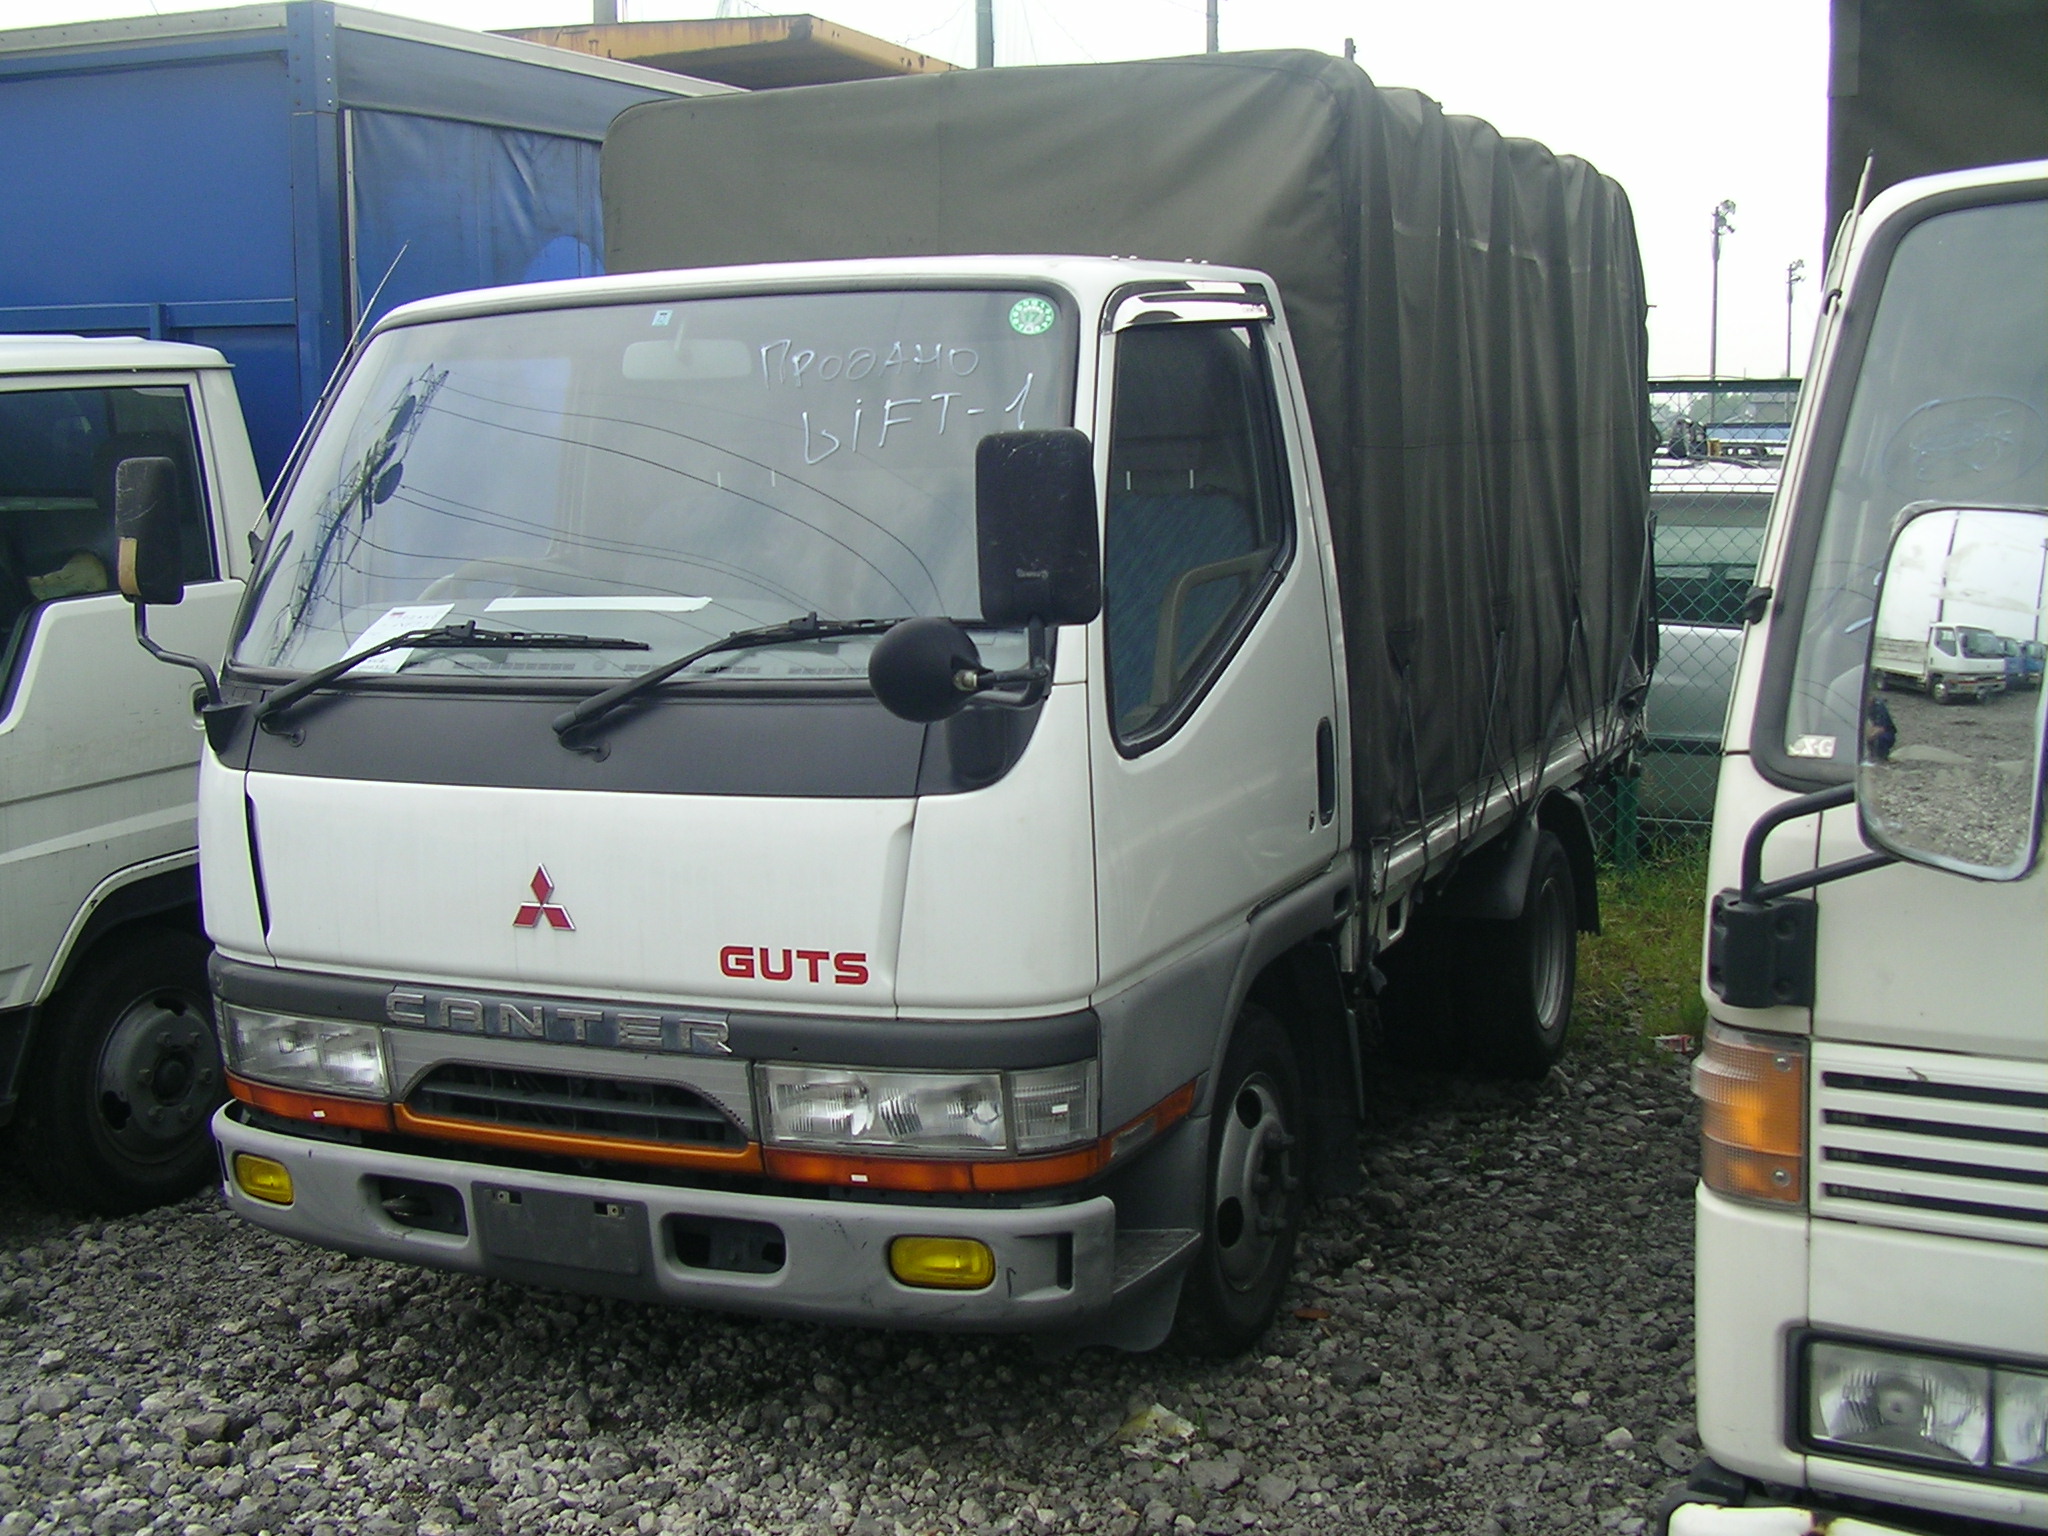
[164, 892]
[1290, 967]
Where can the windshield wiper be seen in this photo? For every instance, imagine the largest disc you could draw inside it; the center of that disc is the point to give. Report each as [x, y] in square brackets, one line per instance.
[809, 627]
[465, 636]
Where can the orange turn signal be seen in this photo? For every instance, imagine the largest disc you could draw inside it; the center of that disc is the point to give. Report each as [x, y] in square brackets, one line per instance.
[1752, 1090]
[320, 1108]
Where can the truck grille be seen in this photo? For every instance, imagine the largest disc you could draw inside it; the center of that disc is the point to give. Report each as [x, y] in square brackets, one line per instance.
[1930, 1142]
[624, 1108]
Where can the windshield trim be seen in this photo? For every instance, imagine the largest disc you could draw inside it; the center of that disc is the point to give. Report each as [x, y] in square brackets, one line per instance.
[1819, 460]
[261, 570]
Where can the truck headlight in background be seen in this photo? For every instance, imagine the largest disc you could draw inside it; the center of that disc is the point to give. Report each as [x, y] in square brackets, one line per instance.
[986, 1113]
[324, 1055]
[1874, 1403]
[1752, 1090]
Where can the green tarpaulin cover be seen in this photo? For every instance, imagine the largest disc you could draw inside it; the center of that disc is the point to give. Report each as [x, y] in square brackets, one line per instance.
[1468, 310]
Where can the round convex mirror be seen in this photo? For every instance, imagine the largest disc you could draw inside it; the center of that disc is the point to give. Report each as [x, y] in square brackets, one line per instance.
[1949, 773]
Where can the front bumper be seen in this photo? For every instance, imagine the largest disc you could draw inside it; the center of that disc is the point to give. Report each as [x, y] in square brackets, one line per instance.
[1056, 1265]
[1772, 1520]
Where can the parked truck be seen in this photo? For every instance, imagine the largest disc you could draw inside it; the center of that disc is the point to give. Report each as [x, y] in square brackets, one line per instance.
[1873, 1209]
[863, 771]
[258, 179]
[1943, 661]
[108, 1065]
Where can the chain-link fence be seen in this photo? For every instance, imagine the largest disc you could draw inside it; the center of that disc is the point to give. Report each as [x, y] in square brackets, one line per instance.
[1720, 450]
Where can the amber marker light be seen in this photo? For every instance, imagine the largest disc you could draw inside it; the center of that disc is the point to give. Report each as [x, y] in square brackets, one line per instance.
[263, 1178]
[1752, 1089]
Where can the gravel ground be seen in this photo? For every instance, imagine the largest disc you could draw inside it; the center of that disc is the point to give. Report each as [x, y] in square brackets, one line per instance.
[1495, 1336]
[1961, 778]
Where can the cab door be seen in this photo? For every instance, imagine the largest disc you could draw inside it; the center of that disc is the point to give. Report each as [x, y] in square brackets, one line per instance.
[97, 739]
[1216, 742]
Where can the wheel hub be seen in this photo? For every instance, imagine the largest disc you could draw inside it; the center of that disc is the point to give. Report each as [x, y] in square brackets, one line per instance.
[1255, 1180]
[158, 1075]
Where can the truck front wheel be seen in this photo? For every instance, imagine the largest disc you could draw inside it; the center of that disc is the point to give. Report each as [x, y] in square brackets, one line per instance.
[125, 1076]
[1254, 1204]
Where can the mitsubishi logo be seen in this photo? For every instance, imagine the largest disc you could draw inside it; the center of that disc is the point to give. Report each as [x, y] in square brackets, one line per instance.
[533, 912]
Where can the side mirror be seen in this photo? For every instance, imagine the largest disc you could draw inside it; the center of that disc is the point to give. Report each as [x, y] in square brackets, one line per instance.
[150, 562]
[1949, 771]
[1034, 509]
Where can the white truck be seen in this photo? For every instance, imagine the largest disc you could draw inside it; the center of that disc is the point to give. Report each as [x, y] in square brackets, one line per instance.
[1944, 661]
[1873, 1210]
[873, 789]
[108, 1067]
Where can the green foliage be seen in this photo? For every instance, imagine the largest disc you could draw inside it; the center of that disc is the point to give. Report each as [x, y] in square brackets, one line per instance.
[1641, 977]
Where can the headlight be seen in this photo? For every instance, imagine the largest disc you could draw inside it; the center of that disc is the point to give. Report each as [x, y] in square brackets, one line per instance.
[1884, 1404]
[1903, 1405]
[2020, 1412]
[327, 1055]
[986, 1113]
[1055, 1106]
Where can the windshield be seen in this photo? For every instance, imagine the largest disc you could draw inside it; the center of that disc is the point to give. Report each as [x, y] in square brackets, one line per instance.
[1981, 644]
[1951, 406]
[664, 472]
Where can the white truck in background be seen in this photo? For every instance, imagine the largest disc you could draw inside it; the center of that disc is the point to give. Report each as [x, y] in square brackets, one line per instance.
[1944, 661]
[1872, 1284]
[109, 1070]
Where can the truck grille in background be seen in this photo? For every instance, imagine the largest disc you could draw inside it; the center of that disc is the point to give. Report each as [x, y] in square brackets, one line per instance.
[625, 1108]
[1930, 1142]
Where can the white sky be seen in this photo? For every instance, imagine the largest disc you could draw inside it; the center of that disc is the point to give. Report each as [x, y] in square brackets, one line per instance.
[1683, 108]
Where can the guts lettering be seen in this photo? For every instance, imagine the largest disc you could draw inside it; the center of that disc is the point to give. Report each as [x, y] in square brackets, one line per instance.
[848, 968]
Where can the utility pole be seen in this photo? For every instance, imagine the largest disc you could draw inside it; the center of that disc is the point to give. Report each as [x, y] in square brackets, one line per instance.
[1724, 224]
[1796, 273]
[984, 34]
[1212, 25]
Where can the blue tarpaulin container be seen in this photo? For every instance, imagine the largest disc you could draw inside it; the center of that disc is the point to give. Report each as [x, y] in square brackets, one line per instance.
[247, 178]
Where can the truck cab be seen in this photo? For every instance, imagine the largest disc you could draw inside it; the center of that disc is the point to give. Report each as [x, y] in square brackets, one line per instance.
[1873, 1212]
[108, 1067]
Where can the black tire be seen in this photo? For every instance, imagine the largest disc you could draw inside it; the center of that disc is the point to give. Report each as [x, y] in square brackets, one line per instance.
[1940, 690]
[1254, 1201]
[124, 1077]
[1516, 978]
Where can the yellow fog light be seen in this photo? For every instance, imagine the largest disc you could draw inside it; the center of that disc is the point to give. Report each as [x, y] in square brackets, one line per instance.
[263, 1178]
[942, 1263]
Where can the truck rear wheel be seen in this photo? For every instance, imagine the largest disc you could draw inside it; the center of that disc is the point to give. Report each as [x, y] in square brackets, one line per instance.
[1516, 978]
[1254, 1205]
[125, 1077]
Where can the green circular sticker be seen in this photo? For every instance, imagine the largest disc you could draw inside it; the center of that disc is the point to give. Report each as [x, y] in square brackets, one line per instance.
[1032, 317]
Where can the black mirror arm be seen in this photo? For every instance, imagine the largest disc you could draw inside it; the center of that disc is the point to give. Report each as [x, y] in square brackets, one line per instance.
[1756, 890]
[206, 673]
[1034, 677]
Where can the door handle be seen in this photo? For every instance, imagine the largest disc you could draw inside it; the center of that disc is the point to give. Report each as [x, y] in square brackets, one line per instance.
[1326, 771]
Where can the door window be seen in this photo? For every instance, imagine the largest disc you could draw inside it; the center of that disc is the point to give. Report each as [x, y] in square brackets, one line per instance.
[58, 449]
[1196, 522]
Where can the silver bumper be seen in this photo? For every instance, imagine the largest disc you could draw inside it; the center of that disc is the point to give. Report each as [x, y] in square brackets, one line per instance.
[1055, 1265]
